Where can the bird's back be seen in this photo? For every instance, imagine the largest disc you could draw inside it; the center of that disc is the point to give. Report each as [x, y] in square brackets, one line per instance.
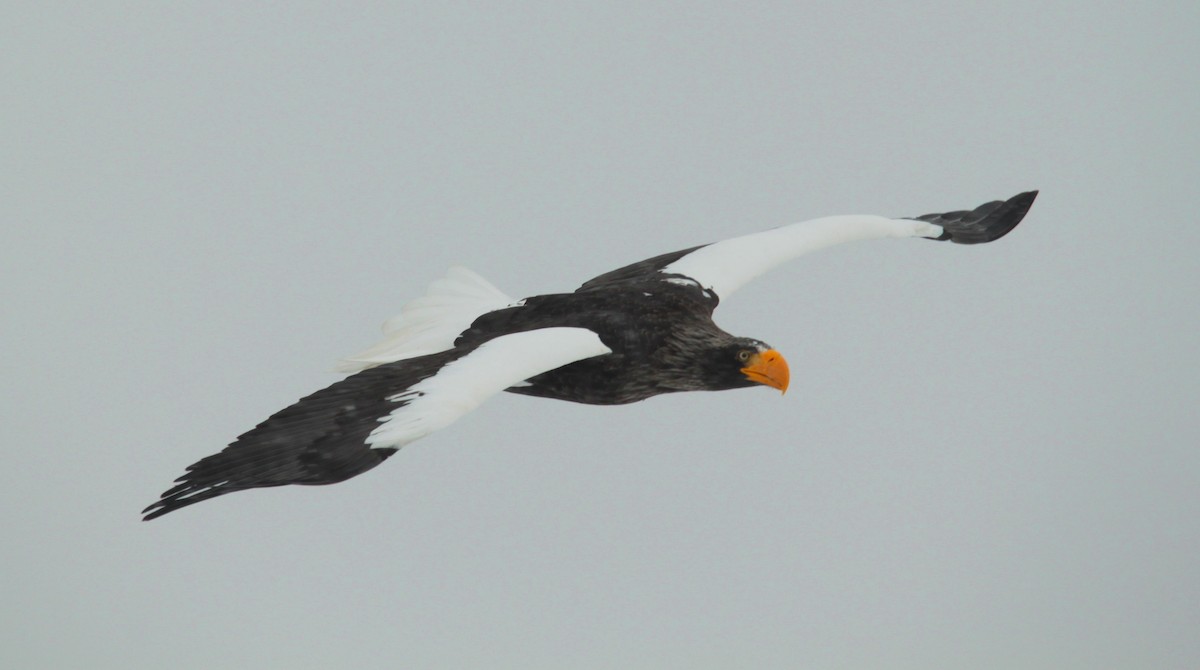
[639, 322]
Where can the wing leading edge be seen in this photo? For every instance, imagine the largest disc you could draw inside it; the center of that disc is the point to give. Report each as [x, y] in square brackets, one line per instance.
[724, 267]
[357, 423]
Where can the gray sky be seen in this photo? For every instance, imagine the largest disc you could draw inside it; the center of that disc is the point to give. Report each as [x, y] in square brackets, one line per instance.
[987, 459]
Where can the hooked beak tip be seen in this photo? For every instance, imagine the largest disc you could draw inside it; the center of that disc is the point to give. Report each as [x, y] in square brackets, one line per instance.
[769, 368]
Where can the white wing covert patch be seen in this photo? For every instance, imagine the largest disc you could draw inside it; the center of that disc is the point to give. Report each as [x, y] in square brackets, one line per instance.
[724, 267]
[464, 384]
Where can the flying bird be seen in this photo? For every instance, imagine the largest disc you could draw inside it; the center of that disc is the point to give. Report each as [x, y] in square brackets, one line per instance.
[624, 336]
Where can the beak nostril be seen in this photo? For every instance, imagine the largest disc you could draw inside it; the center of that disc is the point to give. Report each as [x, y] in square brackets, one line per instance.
[769, 368]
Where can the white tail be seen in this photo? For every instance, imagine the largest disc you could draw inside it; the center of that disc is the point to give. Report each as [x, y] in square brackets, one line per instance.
[432, 322]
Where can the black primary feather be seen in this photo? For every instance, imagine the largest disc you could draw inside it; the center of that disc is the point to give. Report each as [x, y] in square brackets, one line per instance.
[320, 439]
[986, 223]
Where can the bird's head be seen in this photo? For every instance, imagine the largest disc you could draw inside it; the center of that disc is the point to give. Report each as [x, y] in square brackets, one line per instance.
[746, 362]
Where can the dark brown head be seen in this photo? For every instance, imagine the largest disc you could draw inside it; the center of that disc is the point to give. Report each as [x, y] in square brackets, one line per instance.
[743, 363]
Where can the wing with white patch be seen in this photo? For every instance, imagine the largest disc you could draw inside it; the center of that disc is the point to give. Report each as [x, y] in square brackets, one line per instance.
[432, 322]
[355, 424]
[723, 267]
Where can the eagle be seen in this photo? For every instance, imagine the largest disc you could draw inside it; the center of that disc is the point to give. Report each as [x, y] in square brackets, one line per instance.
[635, 332]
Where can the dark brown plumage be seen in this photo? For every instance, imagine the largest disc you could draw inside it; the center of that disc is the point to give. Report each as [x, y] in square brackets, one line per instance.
[653, 321]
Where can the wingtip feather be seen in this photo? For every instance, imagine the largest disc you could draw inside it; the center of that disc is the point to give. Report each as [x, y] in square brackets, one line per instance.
[986, 223]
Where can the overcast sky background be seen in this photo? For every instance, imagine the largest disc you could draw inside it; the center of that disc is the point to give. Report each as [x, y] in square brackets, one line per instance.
[987, 458]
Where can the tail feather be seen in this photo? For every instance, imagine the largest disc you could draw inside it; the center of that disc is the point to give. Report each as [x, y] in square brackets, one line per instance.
[431, 323]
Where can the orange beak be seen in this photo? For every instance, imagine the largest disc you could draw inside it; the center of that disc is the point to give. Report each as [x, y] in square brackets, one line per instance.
[768, 368]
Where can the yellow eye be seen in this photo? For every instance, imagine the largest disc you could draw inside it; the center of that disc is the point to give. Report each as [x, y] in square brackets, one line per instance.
[744, 355]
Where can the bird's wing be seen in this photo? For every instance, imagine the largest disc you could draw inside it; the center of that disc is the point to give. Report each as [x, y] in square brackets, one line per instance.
[353, 425]
[432, 322]
[723, 267]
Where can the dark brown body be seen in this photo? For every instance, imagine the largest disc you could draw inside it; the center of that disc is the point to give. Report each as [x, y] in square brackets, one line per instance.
[653, 328]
